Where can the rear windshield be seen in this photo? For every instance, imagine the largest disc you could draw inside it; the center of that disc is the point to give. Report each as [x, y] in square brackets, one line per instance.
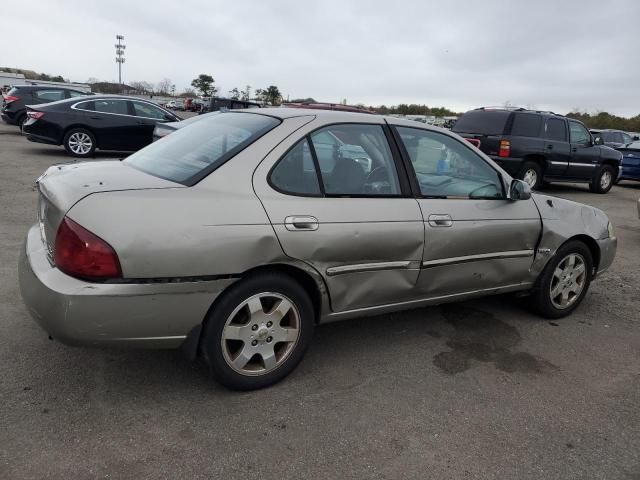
[191, 153]
[482, 122]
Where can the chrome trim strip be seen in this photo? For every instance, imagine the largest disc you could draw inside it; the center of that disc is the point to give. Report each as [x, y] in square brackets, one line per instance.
[474, 258]
[558, 163]
[367, 267]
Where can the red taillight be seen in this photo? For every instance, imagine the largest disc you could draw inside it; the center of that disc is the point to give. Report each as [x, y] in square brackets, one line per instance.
[505, 148]
[10, 98]
[80, 253]
[35, 115]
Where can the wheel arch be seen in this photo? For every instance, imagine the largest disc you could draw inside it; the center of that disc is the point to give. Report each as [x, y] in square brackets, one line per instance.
[310, 280]
[591, 244]
[536, 158]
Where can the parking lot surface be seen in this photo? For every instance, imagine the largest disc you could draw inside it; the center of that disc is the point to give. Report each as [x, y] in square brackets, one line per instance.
[480, 389]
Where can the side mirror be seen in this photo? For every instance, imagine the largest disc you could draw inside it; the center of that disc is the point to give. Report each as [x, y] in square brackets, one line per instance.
[635, 138]
[598, 141]
[519, 190]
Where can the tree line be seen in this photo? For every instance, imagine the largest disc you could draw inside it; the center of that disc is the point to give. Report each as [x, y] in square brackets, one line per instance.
[604, 120]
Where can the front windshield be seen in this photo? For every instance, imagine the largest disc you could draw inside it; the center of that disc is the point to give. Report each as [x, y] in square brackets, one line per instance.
[193, 152]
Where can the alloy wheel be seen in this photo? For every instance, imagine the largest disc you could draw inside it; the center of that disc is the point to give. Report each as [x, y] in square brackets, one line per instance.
[530, 177]
[80, 143]
[605, 180]
[260, 334]
[569, 279]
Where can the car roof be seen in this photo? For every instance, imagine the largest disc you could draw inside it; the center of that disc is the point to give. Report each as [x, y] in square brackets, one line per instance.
[516, 110]
[286, 112]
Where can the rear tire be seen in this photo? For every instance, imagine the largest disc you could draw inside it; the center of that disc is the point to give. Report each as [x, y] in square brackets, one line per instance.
[258, 331]
[21, 120]
[531, 173]
[564, 282]
[603, 181]
[80, 142]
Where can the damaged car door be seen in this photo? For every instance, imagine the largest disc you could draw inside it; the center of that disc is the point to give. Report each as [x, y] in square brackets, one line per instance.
[475, 238]
[351, 217]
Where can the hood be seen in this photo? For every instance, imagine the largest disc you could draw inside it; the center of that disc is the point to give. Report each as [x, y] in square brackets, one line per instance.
[64, 185]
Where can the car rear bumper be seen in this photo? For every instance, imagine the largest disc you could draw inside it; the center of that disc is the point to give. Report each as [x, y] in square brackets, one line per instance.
[152, 315]
[42, 139]
[8, 118]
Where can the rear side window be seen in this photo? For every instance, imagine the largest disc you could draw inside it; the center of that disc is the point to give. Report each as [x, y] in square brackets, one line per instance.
[49, 95]
[556, 130]
[111, 106]
[295, 173]
[74, 93]
[482, 122]
[526, 125]
[190, 154]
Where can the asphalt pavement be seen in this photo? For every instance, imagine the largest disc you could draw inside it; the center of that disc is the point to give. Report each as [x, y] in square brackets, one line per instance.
[475, 390]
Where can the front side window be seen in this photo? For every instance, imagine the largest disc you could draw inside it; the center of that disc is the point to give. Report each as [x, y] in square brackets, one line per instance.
[49, 95]
[111, 106]
[445, 168]
[355, 159]
[556, 130]
[190, 154]
[145, 110]
[578, 133]
[295, 173]
[626, 138]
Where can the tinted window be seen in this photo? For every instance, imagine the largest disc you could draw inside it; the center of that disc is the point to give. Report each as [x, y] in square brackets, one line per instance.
[578, 133]
[483, 122]
[295, 172]
[556, 129]
[355, 160]
[111, 106]
[446, 168]
[526, 125]
[189, 154]
[142, 109]
[73, 93]
[85, 106]
[626, 138]
[49, 95]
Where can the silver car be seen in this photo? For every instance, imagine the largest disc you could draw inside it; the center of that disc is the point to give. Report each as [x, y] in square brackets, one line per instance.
[235, 236]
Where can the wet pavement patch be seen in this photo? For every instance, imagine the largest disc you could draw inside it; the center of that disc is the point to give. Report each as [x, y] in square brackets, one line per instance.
[478, 336]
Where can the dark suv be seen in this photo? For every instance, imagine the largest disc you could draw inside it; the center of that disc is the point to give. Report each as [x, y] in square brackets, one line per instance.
[14, 106]
[540, 147]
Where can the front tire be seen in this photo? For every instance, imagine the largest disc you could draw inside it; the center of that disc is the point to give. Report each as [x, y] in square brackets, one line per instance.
[80, 142]
[258, 331]
[603, 181]
[564, 282]
[531, 173]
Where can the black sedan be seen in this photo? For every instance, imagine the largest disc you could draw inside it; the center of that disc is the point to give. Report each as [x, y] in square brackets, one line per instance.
[106, 122]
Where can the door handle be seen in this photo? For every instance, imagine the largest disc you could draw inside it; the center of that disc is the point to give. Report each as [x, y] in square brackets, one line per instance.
[95, 118]
[574, 149]
[301, 223]
[440, 220]
[549, 147]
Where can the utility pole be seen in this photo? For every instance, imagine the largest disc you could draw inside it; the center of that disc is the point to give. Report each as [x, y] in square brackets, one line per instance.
[120, 47]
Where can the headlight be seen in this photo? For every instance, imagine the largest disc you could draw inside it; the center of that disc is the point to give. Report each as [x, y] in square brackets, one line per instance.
[610, 230]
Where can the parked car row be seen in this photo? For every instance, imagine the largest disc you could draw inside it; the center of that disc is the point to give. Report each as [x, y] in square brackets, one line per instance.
[535, 146]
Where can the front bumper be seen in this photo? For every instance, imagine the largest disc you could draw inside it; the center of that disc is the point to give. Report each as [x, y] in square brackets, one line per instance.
[153, 315]
[608, 247]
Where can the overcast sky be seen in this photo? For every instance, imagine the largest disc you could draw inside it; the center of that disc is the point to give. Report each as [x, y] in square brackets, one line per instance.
[556, 55]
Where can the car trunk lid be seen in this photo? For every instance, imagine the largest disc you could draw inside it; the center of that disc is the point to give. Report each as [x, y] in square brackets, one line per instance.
[62, 186]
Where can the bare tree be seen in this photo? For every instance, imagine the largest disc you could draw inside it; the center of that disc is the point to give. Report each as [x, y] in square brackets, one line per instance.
[246, 93]
[234, 94]
[164, 86]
